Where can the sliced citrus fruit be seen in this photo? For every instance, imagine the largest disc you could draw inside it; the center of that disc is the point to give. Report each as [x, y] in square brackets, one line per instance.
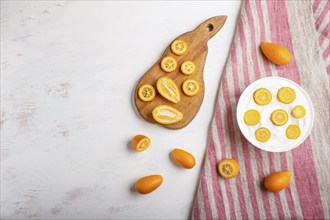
[146, 92]
[140, 142]
[286, 95]
[279, 117]
[190, 87]
[179, 47]
[165, 114]
[168, 64]
[251, 117]
[262, 96]
[188, 67]
[168, 89]
[263, 134]
[298, 111]
[277, 181]
[293, 131]
[228, 168]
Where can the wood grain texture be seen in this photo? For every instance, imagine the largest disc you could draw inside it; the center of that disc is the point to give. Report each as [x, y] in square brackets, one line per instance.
[197, 52]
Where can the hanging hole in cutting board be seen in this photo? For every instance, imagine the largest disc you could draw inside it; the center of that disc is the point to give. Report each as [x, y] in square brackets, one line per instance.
[209, 27]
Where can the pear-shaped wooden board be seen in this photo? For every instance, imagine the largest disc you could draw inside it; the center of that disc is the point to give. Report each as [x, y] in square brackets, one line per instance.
[197, 52]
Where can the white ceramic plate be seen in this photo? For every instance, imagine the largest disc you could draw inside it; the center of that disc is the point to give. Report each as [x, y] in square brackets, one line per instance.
[278, 141]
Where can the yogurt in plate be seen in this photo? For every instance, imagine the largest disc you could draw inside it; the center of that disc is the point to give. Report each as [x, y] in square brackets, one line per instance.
[278, 141]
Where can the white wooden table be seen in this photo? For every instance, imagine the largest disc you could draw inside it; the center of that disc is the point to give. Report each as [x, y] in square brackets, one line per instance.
[68, 72]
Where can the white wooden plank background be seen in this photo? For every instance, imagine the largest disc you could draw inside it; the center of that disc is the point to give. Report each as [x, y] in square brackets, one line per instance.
[68, 70]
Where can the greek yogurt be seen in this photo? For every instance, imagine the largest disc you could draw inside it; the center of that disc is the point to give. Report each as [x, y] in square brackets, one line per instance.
[278, 141]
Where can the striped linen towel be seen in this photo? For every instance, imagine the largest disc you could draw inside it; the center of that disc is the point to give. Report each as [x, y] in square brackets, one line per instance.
[321, 12]
[303, 28]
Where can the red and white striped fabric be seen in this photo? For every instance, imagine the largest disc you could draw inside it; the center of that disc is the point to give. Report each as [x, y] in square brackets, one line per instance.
[321, 12]
[291, 24]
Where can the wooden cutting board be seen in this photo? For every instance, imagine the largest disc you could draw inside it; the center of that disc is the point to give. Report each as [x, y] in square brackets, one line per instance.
[197, 52]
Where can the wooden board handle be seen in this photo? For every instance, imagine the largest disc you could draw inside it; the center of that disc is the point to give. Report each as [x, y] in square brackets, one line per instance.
[211, 26]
